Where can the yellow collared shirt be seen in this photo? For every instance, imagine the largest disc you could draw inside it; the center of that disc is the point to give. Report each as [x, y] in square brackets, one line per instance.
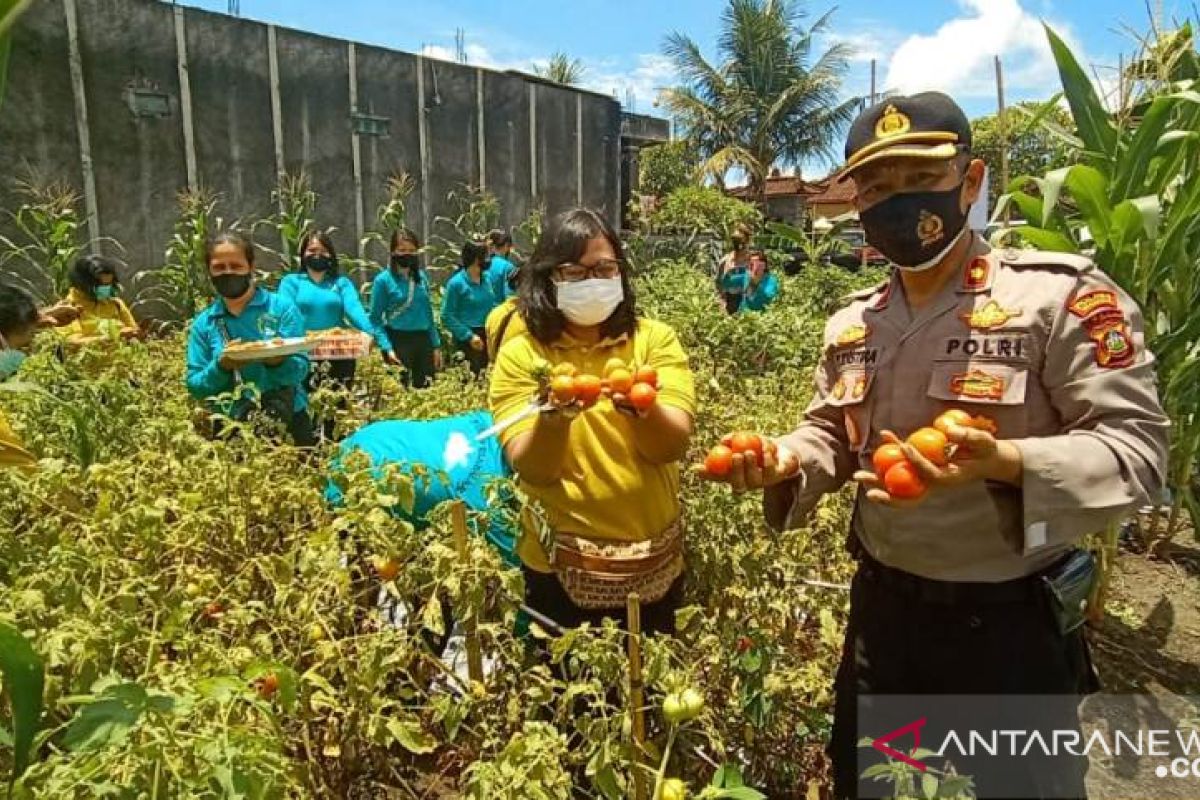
[12, 453]
[608, 491]
[95, 313]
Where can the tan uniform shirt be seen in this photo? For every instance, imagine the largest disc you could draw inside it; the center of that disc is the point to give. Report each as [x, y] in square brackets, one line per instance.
[1046, 346]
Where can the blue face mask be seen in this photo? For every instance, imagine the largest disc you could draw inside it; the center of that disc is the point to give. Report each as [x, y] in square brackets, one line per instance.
[105, 292]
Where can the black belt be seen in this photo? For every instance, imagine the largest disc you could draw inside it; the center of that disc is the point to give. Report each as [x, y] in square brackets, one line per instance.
[951, 592]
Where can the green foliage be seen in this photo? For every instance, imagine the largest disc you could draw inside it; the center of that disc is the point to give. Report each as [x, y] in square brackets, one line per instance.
[1035, 142]
[771, 96]
[1133, 204]
[181, 286]
[705, 210]
[818, 246]
[295, 203]
[476, 213]
[666, 167]
[561, 68]
[22, 675]
[48, 222]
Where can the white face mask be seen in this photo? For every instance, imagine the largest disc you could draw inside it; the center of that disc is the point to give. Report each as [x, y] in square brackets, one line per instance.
[590, 302]
[933, 262]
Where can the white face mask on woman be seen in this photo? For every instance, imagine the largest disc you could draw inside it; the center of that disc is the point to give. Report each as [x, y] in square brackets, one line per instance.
[589, 302]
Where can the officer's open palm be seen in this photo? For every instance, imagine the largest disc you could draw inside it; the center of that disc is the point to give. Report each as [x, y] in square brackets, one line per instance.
[977, 456]
[745, 474]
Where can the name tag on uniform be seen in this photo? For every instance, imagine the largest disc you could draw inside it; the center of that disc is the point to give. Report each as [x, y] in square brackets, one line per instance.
[859, 357]
[1009, 347]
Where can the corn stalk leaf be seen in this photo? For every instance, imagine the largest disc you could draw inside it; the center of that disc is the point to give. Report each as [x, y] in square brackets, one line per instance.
[23, 675]
[1092, 120]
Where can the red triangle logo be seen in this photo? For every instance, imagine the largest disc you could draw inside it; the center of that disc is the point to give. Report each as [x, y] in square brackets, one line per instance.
[881, 744]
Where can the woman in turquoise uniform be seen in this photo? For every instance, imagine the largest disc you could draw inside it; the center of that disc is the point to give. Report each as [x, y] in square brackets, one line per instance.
[246, 312]
[762, 287]
[402, 310]
[466, 302]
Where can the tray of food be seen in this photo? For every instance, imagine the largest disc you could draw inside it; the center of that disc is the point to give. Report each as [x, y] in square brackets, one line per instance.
[266, 348]
[339, 344]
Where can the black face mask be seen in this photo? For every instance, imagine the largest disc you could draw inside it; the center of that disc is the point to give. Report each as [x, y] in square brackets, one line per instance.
[318, 263]
[914, 231]
[409, 261]
[232, 286]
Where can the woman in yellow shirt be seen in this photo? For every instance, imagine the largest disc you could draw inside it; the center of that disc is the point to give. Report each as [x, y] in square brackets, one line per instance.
[607, 477]
[102, 314]
[19, 320]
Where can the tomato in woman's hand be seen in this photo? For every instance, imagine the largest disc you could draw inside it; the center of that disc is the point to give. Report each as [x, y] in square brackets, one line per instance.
[932, 444]
[953, 417]
[647, 375]
[719, 461]
[642, 396]
[887, 456]
[620, 381]
[902, 482]
[587, 390]
[563, 389]
[748, 444]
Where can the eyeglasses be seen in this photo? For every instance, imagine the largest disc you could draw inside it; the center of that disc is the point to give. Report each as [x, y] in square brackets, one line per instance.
[572, 273]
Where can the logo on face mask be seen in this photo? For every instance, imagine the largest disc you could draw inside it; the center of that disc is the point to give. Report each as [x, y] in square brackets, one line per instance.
[930, 229]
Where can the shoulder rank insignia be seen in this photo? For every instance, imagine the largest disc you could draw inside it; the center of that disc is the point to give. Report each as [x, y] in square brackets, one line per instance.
[989, 317]
[1085, 305]
[977, 384]
[976, 275]
[839, 389]
[853, 335]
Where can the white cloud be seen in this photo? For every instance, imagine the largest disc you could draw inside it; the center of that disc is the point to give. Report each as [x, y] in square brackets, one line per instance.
[959, 57]
[649, 73]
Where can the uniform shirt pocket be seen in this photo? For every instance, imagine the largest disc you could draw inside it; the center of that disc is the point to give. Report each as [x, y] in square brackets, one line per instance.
[992, 389]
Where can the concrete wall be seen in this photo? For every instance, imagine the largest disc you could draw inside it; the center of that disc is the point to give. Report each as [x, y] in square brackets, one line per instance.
[541, 145]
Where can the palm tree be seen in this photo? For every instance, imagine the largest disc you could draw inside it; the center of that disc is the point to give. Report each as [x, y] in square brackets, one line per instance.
[561, 69]
[769, 100]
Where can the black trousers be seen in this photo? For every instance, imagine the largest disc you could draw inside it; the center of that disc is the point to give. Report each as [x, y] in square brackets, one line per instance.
[911, 636]
[544, 594]
[340, 372]
[732, 302]
[415, 352]
[477, 359]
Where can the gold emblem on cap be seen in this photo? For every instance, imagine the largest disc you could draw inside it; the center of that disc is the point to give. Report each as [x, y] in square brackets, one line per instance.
[892, 123]
[930, 228]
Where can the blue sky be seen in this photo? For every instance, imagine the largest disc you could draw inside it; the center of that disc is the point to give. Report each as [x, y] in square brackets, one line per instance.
[918, 44]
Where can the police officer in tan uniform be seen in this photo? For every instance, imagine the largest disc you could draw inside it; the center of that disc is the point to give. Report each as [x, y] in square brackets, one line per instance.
[978, 587]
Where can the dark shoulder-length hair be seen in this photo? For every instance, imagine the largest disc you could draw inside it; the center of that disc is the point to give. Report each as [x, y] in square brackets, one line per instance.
[86, 274]
[563, 241]
[471, 253]
[405, 235]
[18, 311]
[231, 237]
[327, 243]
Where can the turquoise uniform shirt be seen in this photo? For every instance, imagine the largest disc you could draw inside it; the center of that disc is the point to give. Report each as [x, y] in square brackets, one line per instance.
[267, 316]
[498, 275]
[759, 297]
[329, 303]
[391, 309]
[466, 305]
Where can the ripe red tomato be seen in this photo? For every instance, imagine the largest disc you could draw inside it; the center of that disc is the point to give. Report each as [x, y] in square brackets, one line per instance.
[931, 443]
[620, 381]
[887, 456]
[268, 685]
[902, 482]
[386, 568]
[643, 396]
[563, 389]
[719, 461]
[744, 643]
[748, 444]
[646, 374]
[214, 609]
[587, 389]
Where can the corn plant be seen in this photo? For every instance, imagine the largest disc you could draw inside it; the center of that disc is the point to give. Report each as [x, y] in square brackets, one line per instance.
[391, 215]
[477, 212]
[181, 284]
[1132, 202]
[49, 229]
[296, 203]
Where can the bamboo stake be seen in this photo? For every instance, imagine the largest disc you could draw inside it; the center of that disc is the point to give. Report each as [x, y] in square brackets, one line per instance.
[1108, 561]
[1002, 123]
[458, 517]
[637, 713]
